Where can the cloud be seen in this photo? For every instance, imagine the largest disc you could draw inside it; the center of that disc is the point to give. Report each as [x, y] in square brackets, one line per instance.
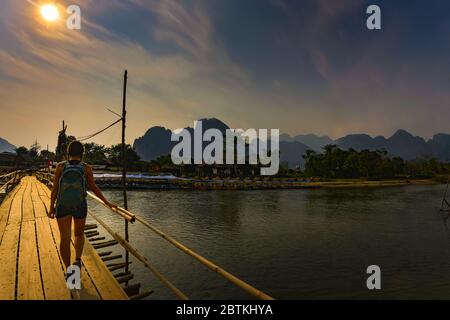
[85, 66]
[180, 70]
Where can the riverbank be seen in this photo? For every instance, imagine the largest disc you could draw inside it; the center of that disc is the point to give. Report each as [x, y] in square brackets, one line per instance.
[289, 184]
[171, 183]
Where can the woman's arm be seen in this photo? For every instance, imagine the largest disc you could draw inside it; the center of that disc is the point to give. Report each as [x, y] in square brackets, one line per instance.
[55, 189]
[93, 186]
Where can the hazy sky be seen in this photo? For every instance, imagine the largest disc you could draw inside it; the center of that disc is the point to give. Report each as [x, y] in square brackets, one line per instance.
[300, 66]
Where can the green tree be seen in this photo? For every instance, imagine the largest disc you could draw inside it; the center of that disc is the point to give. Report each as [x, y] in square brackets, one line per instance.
[22, 151]
[338, 163]
[95, 153]
[114, 155]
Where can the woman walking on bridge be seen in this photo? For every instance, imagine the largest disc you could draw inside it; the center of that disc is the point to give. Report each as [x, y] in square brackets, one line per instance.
[68, 200]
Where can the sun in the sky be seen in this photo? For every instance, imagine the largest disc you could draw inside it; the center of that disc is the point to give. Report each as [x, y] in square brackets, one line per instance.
[49, 12]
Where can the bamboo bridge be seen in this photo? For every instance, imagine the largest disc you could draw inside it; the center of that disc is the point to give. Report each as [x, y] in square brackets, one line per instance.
[31, 268]
[30, 264]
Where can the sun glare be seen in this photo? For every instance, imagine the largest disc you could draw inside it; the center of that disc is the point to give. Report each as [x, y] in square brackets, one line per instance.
[49, 12]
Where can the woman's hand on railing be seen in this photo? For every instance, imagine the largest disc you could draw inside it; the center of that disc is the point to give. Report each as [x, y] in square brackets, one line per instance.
[51, 213]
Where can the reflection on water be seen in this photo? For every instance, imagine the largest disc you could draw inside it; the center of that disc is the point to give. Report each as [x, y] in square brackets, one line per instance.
[295, 244]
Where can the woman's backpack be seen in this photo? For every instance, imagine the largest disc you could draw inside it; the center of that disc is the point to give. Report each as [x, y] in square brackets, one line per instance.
[72, 187]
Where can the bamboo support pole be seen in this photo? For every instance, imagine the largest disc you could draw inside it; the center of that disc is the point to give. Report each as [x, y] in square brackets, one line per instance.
[115, 264]
[97, 239]
[100, 245]
[114, 268]
[141, 258]
[132, 289]
[89, 236]
[444, 197]
[105, 253]
[121, 274]
[112, 257]
[125, 278]
[124, 159]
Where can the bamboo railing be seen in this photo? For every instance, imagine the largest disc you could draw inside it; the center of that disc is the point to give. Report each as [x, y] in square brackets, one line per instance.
[14, 176]
[129, 216]
[7, 175]
[120, 211]
[15, 173]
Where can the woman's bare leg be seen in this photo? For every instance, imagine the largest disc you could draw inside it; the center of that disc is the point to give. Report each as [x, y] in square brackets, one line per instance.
[65, 226]
[79, 236]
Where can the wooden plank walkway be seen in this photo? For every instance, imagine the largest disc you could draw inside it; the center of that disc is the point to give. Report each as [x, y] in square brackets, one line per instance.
[30, 265]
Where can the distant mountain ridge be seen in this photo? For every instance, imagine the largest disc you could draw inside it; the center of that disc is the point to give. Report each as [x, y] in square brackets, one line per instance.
[156, 142]
[5, 146]
[401, 144]
[440, 146]
[313, 141]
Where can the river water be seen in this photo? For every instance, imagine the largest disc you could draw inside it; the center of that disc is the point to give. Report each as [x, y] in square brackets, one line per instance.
[294, 244]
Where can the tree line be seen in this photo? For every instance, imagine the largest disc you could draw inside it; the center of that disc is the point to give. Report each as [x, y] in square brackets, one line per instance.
[94, 154]
[335, 163]
[332, 163]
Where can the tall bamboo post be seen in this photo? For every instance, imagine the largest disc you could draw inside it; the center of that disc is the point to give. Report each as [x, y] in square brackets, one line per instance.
[124, 162]
[48, 159]
[444, 197]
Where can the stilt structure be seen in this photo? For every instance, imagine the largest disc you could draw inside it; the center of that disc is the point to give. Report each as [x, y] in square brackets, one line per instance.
[445, 205]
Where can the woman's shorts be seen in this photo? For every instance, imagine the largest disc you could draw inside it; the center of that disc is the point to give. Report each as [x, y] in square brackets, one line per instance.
[80, 212]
